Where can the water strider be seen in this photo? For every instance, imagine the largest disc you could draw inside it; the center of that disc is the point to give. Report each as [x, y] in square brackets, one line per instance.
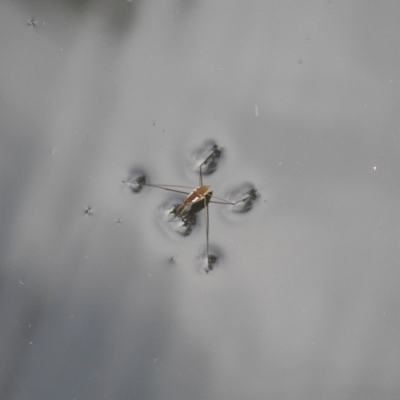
[198, 199]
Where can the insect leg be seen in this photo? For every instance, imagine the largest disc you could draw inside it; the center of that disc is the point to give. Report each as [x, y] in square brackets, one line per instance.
[207, 229]
[242, 205]
[250, 196]
[136, 185]
[215, 152]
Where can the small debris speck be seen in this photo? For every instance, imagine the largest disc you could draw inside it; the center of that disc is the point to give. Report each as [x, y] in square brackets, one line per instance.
[32, 22]
[88, 211]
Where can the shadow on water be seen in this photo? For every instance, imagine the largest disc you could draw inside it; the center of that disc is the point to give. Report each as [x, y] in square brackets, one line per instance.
[119, 16]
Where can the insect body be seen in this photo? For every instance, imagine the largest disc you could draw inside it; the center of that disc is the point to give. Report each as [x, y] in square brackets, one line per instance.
[197, 197]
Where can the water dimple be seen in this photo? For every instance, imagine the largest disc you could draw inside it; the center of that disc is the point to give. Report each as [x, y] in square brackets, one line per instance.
[207, 156]
[242, 198]
[208, 262]
[135, 180]
[181, 224]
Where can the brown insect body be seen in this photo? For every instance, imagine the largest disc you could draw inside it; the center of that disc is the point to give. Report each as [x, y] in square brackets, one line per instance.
[200, 195]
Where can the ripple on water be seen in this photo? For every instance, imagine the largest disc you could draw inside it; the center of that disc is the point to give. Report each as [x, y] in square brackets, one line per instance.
[136, 180]
[182, 225]
[242, 198]
[207, 263]
[209, 155]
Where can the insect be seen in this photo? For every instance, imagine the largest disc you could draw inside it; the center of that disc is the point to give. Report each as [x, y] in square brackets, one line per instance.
[33, 23]
[198, 199]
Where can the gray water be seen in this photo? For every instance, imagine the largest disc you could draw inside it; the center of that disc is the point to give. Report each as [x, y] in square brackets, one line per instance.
[100, 298]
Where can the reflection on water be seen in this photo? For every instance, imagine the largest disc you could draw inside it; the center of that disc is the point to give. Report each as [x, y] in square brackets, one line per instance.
[123, 312]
